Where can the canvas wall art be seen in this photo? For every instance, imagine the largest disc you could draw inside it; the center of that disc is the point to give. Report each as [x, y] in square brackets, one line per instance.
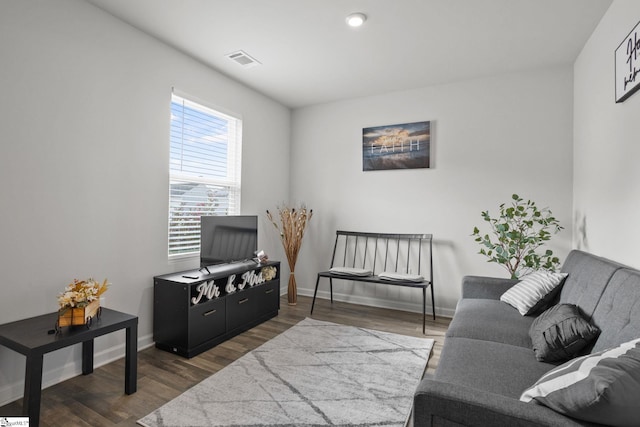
[401, 146]
[628, 65]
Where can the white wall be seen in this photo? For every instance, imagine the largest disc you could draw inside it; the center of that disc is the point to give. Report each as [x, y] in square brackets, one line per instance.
[84, 119]
[84, 151]
[491, 137]
[606, 145]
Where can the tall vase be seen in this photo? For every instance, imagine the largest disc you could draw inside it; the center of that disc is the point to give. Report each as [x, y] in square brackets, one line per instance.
[292, 290]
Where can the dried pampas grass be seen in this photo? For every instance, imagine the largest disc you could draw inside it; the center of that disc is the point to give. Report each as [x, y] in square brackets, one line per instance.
[291, 226]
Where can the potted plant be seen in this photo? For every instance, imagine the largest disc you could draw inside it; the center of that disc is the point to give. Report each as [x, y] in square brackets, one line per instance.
[517, 236]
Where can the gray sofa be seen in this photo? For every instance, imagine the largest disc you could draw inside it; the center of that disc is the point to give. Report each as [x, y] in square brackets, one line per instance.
[487, 360]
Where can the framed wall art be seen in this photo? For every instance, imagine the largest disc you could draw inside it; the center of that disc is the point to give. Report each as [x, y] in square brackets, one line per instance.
[627, 65]
[401, 146]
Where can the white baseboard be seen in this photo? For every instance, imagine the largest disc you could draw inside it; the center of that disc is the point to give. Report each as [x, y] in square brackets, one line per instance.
[376, 302]
[14, 391]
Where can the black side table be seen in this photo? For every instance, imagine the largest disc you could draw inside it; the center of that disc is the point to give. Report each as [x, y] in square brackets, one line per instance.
[31, 337]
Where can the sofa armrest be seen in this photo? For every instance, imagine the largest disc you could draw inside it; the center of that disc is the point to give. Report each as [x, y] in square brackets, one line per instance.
[438, 403]
[485, 287]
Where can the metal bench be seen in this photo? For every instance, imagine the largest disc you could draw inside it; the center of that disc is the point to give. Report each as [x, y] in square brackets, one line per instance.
[382, 258]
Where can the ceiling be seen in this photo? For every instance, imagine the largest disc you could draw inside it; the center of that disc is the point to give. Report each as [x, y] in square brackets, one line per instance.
[309, 55]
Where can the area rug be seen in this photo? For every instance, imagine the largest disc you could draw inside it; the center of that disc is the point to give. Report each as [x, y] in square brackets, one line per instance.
[315, 373]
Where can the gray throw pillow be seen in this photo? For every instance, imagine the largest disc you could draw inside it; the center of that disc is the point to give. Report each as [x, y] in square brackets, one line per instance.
[560, 333]
[602, 387]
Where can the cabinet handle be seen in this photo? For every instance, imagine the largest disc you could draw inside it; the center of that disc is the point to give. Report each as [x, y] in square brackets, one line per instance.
[268, 291]
[209, 313]
[242, 301]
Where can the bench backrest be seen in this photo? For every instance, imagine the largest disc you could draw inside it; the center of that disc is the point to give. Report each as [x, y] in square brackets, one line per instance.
[378, 252]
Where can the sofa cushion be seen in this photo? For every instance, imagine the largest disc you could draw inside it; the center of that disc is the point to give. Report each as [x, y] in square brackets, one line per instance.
[601, 387]
[618, 312]
[350, 271]
[533, 293]
[560, 333]
[490, 320]
[489, 366]
[485, 287]
[588, 276]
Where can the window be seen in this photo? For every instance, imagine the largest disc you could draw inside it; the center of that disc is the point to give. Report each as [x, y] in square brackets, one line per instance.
[204, 171]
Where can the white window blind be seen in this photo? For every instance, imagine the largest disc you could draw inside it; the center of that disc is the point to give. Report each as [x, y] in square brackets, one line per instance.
[204, 171]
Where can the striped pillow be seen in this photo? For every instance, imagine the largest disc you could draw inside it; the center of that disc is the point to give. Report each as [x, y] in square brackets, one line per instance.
[602, 387]
[534, 292]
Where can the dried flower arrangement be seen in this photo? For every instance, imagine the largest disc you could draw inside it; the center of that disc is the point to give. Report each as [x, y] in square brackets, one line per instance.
[269, 273]
[80, 301]
[81, 292]
[292, 225]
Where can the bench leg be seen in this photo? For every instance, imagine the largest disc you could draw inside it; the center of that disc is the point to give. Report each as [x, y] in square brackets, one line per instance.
[433, 303]
[314, 294]
[424, 309]
[331, 288]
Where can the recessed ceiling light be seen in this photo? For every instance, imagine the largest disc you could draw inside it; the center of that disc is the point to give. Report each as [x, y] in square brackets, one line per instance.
[356, 19]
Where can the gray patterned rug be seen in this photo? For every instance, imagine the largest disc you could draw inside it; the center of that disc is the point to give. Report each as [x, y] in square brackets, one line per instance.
[315, 373]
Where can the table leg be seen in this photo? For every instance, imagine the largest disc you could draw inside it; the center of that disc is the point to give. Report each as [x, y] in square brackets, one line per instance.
[131, 360]
[87, 357]
[33, 388]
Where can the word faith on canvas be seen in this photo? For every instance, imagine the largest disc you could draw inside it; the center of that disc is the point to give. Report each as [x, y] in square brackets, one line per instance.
[396, 147]
[210, 289]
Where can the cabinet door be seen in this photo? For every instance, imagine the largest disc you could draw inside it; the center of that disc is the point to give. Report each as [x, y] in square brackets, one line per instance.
[269, 296]
[241, 307]
[250, 304]
[206, 321]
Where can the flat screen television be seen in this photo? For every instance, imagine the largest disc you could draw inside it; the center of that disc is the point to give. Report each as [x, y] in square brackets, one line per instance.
[225, 239]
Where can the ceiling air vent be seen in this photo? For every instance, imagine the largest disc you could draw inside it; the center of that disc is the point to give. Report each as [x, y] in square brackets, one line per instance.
[243, 58]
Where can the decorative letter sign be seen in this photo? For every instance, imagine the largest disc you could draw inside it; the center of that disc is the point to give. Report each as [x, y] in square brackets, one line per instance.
[628, 65]
[251, 278]
[230, 288]
[208, 289]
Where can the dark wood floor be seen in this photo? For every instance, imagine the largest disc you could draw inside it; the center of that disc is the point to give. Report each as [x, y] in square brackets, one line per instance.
[99, 400]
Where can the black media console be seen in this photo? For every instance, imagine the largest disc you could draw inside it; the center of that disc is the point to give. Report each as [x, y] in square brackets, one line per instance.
[196, 310]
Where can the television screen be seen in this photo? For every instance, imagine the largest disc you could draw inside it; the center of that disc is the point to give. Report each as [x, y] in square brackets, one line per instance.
[225, 239]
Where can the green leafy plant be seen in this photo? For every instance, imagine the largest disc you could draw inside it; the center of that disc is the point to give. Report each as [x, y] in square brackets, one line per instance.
[517, 235]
